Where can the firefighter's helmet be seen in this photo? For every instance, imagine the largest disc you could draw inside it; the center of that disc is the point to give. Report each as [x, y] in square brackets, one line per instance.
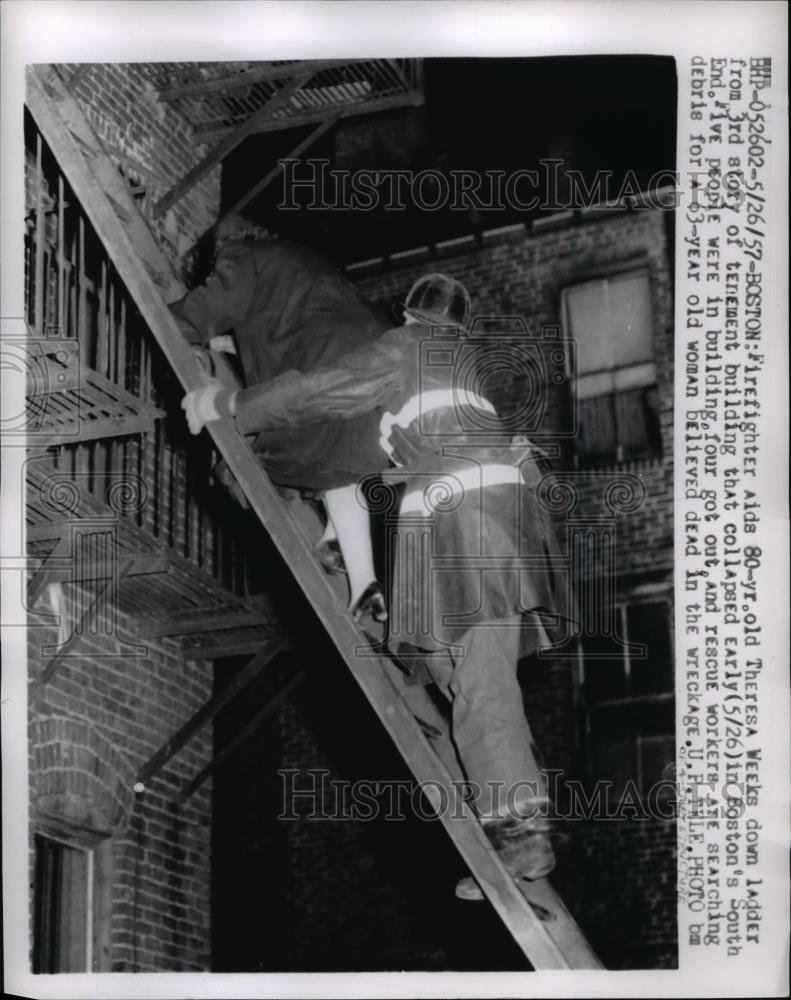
[439, 300]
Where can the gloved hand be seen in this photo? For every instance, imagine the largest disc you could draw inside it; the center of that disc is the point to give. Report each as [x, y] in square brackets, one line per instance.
[225, 344]
[211, 402]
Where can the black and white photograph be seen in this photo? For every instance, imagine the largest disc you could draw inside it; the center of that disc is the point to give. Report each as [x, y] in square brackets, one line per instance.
[355, 571]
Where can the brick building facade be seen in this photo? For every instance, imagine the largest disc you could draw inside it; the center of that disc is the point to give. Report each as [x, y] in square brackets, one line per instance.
[219, 881]
[131, 867]
[107, 711]
[617, 877]
[152, 145]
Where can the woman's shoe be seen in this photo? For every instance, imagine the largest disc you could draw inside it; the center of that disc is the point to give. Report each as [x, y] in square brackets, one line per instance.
[371, 602]
[328, 552]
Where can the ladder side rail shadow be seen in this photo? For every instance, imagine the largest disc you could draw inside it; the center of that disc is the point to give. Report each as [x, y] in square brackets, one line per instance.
[151, 281]
[540, 895]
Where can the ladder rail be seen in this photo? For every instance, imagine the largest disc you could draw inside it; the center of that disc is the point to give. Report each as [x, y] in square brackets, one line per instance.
[562, 928]
[152, 282]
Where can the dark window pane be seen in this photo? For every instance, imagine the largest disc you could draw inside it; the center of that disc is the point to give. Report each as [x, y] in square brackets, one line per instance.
[649, 717]
[631, 711]
[60, 918]
[657, 760]
[46, 906]
[605, 675]
[649, 626]
[615, 760]
[633, 431]
[596, 438]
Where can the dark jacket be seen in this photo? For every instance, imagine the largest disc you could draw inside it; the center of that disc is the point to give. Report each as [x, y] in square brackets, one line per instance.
[289, 309]
[470, 541]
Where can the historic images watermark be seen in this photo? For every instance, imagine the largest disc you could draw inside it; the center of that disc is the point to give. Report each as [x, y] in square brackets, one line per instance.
[311, 794]
[550, 186]
[74, 557]
[45, 365]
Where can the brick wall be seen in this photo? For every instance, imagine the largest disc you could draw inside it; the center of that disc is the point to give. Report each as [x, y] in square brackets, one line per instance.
[321, 891]
[622, 886]
[618, 878]
[522, 273]
[112, 703]
[348, 895]
[153, 145]
[108, 708]
[378, 895]
[383, 880]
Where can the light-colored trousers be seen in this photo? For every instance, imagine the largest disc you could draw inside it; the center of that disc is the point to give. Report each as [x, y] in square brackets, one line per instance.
[491, 738]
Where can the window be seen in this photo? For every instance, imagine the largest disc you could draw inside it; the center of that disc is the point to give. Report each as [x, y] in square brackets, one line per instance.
[611, 321]
[629, 695]
[70, 885]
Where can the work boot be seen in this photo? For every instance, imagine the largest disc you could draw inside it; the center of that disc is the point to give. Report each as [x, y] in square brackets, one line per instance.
[524, 846]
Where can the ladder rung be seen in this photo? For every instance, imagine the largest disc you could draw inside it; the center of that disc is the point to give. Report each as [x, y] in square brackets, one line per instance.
[52, 92]
[542, 912]
[87, 150]
[156, 276]
[124, 214]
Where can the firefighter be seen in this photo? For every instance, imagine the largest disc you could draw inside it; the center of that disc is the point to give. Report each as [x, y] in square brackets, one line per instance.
[486, 592]
[290, 310]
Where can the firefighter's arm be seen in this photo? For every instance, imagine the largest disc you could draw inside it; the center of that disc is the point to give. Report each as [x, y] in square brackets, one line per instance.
[216, 307]
[355, 385]
[358, 383]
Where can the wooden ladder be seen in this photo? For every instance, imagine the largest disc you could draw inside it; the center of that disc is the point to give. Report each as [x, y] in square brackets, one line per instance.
[533, 913]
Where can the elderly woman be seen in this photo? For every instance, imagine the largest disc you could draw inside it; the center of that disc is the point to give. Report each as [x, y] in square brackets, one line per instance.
[474, 561]
[282, 307]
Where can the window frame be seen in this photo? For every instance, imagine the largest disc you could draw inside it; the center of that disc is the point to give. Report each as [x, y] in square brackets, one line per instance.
[98, 848]
[635, 375]
[650, 594]
[623, 604]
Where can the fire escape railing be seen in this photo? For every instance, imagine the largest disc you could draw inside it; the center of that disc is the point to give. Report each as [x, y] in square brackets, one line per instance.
[110, 403]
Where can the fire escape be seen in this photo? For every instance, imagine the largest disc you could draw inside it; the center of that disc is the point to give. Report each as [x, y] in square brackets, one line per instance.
[117, 505]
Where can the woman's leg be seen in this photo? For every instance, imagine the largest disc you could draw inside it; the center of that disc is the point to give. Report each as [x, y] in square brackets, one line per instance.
[348, 515]
[329, 534]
